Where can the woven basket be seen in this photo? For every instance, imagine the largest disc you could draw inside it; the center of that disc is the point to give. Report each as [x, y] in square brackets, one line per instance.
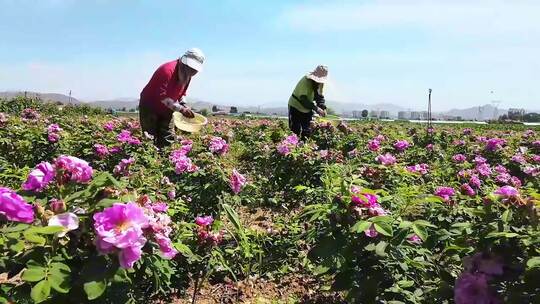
[192, 125]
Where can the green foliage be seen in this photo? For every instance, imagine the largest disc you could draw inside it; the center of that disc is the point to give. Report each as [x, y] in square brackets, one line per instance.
[295, 216]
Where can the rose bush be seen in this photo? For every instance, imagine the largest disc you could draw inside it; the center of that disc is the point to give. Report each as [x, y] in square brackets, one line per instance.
[377, 212]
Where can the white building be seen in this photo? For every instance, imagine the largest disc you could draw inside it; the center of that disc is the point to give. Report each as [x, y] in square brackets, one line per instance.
[404, 115]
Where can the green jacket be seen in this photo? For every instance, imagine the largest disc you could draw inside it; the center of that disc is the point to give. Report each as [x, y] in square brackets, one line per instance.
[306, 96]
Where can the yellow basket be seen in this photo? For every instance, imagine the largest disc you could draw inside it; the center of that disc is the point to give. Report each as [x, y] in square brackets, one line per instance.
[334, 120]
[192, 125]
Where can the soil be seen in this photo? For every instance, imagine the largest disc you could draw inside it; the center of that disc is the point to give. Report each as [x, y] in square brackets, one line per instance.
[290, 289]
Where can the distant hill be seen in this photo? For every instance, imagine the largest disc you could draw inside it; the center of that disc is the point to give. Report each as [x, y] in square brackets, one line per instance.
[116, 104]
[44, 96]
[484, 112]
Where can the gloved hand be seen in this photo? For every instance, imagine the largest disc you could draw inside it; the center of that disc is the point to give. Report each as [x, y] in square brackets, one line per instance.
[321, 112]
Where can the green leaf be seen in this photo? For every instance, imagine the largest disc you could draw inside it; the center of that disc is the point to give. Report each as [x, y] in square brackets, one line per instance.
[300, 188]
[380, 248]
[432, 199]
[506, 216]
[405, 283]
[462, 225]
[16, 228]
[420, 231]
[405, 224]
[34, 238]
[383, 228]
[46, 229]
[381, 219]
[41, 291]
[233, 217]
[533, 262]
[34, 274]
[360, 226]
[59, 275]
[106, 202]
[95, 289]
[424, 223]
[502, 234]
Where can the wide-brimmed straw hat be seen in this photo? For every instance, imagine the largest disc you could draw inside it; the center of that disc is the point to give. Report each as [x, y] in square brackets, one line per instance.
[194, 58]
[319, 75]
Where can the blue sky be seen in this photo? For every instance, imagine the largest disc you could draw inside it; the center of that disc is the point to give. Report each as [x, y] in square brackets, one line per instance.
[377, 51]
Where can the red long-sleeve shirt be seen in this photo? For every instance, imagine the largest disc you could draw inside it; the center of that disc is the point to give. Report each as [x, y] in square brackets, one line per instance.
[164, 83]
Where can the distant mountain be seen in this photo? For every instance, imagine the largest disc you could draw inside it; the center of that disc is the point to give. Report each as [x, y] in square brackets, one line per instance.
[117, 104]
[44, 96]
[484, 112]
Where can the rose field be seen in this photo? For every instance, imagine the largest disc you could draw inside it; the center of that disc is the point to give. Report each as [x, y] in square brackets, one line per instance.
[245, 212]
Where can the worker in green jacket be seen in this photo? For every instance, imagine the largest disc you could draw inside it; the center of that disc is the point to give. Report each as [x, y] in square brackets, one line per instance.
[307, 98]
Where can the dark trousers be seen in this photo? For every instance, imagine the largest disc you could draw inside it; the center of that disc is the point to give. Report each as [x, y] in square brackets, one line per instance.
[299, 122]
[157, 125]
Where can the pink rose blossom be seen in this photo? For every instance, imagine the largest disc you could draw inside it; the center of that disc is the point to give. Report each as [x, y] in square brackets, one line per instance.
[494, 144]
[371, 232]
[484, 169]
[123, 167]
[374, 145]
[69, 221]
[386, 159]
[40, 177]
[502, 178]
[475, 182]
[57, 206]
[54, 128]
[467, 190]
[515, 181]
[419, 168]
[218, 146]
[286, 145]
[14, 207]
[204, 221]
[53, 137]
[184, 164]
[532, 171]
[401, 145]
[237, 181]
[109, 126]
[478, 160]
[101, 150]
[507, 191]
[121, 227]
[459, 158]
[519, 158]
[414, 239]
[74, 169]
[445, 193]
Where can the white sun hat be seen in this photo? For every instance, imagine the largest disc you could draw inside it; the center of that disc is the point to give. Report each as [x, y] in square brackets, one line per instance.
[194, 58]
[319, 75]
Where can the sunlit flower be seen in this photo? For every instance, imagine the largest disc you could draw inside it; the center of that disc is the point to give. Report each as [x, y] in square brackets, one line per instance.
[40, 177]
[14, 207]
[69, 221]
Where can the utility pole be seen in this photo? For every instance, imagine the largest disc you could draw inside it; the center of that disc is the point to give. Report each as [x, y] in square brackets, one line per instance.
[429, 126]
[70, 96]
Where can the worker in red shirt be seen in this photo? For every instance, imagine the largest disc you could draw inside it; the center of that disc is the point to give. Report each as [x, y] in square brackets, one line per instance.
[165, 93]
